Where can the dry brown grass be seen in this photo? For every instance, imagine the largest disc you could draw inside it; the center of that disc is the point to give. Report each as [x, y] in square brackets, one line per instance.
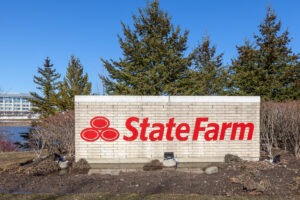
[133, 196]
[10, 160]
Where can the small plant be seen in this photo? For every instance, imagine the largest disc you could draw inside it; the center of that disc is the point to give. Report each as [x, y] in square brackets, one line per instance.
[5, 144]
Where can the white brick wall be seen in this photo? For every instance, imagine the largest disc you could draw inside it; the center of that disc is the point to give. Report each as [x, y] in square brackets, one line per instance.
[118, 109]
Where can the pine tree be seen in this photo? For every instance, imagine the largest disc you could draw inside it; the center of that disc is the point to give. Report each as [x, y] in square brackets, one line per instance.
[154, 62]
[270, 68]
[246, 75]
[45, 103]
[74, 83]
[207, 76]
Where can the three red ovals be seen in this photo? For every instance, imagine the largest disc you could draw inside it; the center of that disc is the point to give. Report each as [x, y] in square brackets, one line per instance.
[100, 129]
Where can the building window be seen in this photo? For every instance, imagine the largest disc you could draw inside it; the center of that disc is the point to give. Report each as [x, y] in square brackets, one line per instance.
[8, 100]
[18, 103]
[17, 100]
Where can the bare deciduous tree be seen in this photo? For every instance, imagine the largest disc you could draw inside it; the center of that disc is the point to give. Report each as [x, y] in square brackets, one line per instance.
[56, 134]
[280, 127]
[37, 141]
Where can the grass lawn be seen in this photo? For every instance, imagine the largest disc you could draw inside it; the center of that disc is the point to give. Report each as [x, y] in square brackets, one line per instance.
[13, 159]
[132, 197]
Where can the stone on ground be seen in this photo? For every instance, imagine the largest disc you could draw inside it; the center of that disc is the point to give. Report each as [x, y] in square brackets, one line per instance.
[169, 163]
[211, 170]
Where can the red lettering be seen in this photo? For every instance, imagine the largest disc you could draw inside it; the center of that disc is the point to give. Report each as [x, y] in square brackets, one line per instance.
[242, 127]
[133, 130]
[159, 132]
[225, 126]
[198, 127]
[214, 131]
[170, 126]
[182, 128]
[144, 127]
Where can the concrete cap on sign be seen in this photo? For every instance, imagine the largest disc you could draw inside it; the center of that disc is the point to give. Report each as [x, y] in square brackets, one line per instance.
[121, 99]
[166, 99]
[223, 99]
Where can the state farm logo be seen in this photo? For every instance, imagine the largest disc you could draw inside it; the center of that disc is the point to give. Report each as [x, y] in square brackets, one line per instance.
[145, 130]
[99, 129]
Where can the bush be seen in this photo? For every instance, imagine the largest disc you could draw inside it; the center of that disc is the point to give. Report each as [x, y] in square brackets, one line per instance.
[5, 144]
[42, 167]
[153, 165]
[82, 166]
[280, 126]
[55, 133]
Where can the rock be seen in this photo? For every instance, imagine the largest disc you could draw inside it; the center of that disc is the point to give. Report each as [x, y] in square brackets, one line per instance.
[169, 163]
[82, 166]
[153, 165]
[211, 170]
[251, 185]
[263, 185]
[229, 158]
[234, 180]
[64, 164]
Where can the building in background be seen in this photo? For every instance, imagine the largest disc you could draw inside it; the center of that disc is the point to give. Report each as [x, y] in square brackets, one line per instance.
[15, 105]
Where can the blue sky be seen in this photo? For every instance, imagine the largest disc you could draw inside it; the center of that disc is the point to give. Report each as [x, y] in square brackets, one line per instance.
[31, 30]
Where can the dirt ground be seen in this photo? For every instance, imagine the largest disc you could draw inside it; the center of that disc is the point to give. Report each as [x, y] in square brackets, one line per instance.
[241, 178]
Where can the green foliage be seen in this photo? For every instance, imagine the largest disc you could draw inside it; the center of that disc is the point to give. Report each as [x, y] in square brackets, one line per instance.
[74, 83]
[154, 61]
[269, 69]
[45, 103]
[207, 75]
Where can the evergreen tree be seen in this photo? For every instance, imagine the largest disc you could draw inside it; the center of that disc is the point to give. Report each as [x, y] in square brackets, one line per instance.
[246, 75]
[154, 61]
[74, 83]
[45, 103]
[207, 76]
[270, 68]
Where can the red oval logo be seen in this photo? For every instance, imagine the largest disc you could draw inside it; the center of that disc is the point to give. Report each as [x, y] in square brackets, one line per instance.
[90, 134]
[110, 134]
[100, 122]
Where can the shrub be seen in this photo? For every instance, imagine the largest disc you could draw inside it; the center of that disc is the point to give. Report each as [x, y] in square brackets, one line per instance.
[153, 165]
[82, 166]
[55, 133]
[280, 126]
[5, 144]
